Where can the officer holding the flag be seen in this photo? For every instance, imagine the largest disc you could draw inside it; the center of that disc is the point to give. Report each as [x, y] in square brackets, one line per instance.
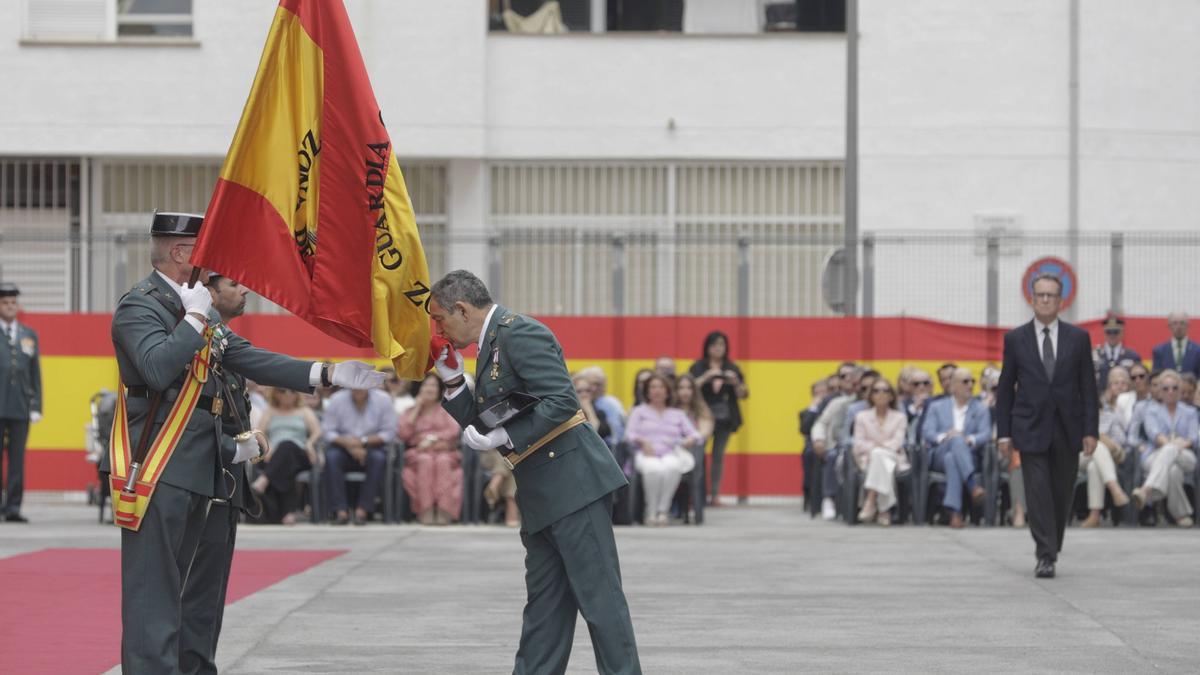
[164, 461]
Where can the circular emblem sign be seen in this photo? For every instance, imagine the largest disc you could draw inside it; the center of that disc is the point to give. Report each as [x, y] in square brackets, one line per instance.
[1059, 268]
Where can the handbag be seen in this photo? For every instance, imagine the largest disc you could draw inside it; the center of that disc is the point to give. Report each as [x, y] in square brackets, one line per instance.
[687, 461]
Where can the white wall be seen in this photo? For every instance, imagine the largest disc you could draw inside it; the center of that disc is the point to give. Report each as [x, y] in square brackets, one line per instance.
[963, 104]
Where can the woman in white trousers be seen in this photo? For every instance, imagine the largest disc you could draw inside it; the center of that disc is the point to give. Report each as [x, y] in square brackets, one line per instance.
[663, 436]
[879, 450]
[1101, 467]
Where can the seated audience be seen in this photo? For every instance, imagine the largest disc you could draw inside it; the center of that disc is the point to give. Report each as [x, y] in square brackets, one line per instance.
[657, 430]
[401, 392]
[665, 366]
[501, 485]
[639, 384]
[879, 451]
[1170, 429]
[827, 435]
[358, 426]
[614, 411]
[955, 426]
[1101, 467]
[584, 392]
[432, 471]
[292, 431]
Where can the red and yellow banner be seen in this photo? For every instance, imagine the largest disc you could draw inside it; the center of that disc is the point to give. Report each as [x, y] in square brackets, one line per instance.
[311, 210]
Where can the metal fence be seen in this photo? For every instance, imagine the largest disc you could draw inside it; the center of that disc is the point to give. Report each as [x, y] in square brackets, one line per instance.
[751, 271]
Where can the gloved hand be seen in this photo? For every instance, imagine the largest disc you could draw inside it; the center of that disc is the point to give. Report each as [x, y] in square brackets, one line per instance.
[481, 442]
[35, 417]
[449, 363]
[196, 299]
[356, 375]
[250, 449]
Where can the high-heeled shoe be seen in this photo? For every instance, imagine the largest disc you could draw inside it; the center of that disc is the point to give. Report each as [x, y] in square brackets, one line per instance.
[867, 514]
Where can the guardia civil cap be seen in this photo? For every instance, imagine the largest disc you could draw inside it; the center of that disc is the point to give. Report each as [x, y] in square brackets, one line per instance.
[176, 225]
[9, 290]
[1114, 322]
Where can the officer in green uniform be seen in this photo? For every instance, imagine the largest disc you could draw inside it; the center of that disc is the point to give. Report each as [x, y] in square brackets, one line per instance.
[564, 471]
[20, 397]
[157, 330]
[207, 582]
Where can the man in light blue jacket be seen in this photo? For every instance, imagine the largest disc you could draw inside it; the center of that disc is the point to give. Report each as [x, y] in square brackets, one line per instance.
[956, 426]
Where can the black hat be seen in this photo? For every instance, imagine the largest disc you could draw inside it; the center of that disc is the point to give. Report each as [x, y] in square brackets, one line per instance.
[9, 290]
[1114, 322]
[176, 225]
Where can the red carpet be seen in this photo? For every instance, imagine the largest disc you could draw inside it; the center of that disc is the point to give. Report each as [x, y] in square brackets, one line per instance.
[60, 608]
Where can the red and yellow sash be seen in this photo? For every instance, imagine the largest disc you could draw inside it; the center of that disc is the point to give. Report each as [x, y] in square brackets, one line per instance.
[129, 507]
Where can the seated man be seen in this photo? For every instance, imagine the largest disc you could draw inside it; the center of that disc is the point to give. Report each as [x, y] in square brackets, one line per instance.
[955, 426]
[1170, 429]
[358, 426]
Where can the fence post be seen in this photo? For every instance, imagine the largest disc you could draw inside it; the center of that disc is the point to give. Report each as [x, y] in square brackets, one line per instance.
[868, 275]
[993, 280]
[494, 265]
[617, 242]
[119, 272]
[743, 339]
[1117, 274]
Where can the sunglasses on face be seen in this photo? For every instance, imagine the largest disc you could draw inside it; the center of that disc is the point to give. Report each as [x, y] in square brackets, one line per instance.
[845, 375]
[1138, 376]
[881, 390]
[1169, 387]
[923, 383]
[1112, 331]
[967, 381]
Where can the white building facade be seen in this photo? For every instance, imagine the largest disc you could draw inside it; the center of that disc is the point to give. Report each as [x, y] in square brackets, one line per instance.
[603, 172]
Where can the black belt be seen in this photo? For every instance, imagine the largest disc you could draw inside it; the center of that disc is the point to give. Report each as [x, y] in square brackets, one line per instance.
[209, 404]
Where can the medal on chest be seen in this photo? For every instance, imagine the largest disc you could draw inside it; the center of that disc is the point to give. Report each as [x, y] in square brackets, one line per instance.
[495, 363]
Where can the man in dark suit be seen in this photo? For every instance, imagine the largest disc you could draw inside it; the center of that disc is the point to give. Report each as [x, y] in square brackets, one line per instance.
[564, 471]
[1047, 409]
[20, 397]
[1179, 353]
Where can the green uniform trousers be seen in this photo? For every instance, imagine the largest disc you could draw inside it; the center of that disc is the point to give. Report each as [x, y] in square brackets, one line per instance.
[154, 565]
[571, 568]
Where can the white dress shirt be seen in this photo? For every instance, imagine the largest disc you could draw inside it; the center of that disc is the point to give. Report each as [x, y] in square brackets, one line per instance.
[1039, 327]
[10, 329]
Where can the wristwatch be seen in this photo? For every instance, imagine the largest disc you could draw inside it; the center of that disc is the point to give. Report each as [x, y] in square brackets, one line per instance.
[363, 439]
[325, 381]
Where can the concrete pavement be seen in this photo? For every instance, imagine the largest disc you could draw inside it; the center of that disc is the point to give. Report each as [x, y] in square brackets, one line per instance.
[758, 589]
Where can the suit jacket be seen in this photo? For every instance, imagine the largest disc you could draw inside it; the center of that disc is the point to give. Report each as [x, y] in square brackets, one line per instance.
[237, 480]
[1028, 403]
[870, 434]
[153, 349]
[1104, 363]
[1164, 357]
[573, 470]
[1158, 421]
[939, 419]
[20, 375]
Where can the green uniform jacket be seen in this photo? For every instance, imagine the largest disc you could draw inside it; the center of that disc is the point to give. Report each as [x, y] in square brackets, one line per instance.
[20, 376]
[237, 480]
[520, 354]
[154, 349]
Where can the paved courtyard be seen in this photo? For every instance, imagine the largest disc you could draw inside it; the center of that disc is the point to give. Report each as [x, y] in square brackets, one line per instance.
[759, 589]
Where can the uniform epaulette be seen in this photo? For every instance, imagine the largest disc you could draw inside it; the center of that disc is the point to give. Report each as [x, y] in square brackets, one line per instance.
[508, 319]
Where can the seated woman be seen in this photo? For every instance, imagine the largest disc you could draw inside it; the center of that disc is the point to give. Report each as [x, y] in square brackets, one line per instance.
[879, 450]
[1171, 428]
[432, 471]
[1101, 467]
[656, 430]
[292, 430]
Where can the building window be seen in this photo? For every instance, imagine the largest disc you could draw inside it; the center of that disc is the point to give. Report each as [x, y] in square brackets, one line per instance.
[645, 15]
[154, 18]
[540, 17]
[806, 16]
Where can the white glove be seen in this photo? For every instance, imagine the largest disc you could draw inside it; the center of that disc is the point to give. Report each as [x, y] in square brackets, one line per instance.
[482, 442]
[196, 299]
[445, 371]
[247, 449]
[35, 417]
[356, 375]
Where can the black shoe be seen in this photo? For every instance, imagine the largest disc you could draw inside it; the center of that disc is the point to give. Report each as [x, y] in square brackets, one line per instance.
[1044, 569]
[343, 519]
[16, 518]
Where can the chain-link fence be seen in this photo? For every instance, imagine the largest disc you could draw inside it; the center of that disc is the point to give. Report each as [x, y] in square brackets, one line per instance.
[743, 271]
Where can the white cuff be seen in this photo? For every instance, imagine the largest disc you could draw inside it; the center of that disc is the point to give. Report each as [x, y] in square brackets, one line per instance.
[451, 394]
[314, 375]
[942, 436]
[195, 323]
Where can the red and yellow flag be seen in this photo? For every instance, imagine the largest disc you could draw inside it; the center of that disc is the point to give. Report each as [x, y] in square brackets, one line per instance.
[311, 210]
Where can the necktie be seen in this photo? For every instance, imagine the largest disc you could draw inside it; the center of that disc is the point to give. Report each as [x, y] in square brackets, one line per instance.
[1179, 353]
[8, 333]
[1047, 354]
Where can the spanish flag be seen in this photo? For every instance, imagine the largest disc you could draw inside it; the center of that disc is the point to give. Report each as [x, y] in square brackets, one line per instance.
[311, 210]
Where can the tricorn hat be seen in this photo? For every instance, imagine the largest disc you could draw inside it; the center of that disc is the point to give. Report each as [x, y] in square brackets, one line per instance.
[176, 225]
